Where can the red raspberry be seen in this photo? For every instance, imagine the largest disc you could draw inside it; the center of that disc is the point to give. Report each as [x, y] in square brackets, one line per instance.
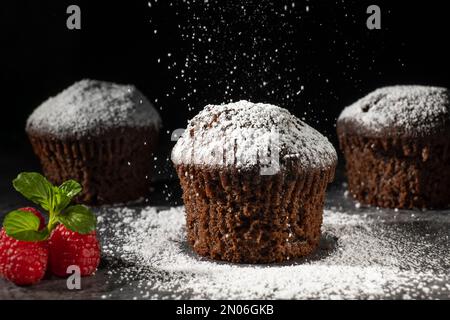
[22, 262]
[37, 214]
[71, 248]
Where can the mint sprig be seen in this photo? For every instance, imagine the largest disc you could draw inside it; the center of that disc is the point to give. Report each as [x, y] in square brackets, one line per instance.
[55, 200]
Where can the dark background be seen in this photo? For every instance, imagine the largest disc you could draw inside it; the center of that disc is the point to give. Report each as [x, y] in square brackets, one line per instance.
[311, 57]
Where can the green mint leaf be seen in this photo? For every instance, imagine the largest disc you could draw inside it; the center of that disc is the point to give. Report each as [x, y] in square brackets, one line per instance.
[36, 188]
[78, 218]
[60, 200]
[23, 225]
[64, 193]
[70, 188]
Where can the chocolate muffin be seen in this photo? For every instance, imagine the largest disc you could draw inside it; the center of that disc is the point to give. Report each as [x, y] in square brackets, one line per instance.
[254, 180]
[396, 142]
[102, 135]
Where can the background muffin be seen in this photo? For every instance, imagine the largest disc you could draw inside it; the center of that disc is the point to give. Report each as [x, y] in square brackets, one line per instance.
[101, 134]
[396, 143]
[254, 179]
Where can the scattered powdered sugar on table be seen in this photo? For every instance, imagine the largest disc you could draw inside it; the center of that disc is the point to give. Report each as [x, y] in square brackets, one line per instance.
[361, 256]
[245, 134]
[90, 106]
[413, 110]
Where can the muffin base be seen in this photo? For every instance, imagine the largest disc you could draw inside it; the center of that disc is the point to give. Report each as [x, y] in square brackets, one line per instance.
[398, 173]
[242, 216]
[114, 167]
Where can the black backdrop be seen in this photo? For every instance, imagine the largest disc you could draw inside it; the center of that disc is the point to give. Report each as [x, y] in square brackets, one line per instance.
[312, 57]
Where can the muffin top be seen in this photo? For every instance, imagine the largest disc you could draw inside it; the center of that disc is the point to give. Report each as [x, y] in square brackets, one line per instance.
[245, 134]
[91, 107]
[399, 111]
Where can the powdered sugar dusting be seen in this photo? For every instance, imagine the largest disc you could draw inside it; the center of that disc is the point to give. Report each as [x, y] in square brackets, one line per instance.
[409, 110]
[242, 134]
[90, 107]
[359, 257]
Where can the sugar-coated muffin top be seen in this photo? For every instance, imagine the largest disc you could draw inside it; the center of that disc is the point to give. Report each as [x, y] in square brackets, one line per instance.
[244, 134]
[90, 107]
[399, 111]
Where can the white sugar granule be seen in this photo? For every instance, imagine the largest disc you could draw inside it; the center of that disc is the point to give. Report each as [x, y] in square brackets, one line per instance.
[90, 107]
[244, 134]
[359, 257]
[410, 110]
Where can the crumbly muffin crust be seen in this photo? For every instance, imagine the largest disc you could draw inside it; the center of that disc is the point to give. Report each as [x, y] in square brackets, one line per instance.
[92, 107]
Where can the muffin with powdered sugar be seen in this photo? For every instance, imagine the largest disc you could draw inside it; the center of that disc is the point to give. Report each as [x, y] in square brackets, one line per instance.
[396, 143]
[254, 178]
[101, 134]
